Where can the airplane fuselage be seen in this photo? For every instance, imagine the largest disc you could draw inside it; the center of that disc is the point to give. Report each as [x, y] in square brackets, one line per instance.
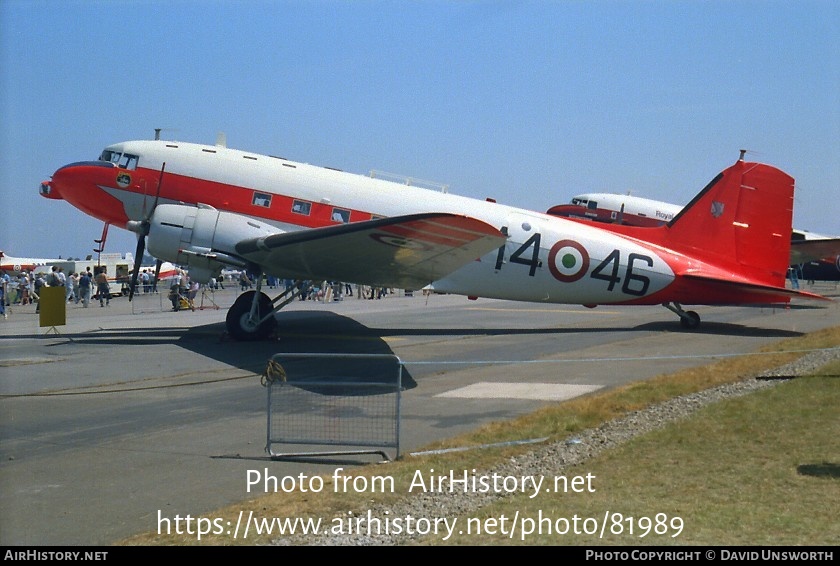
[609, 207]
[545, 258]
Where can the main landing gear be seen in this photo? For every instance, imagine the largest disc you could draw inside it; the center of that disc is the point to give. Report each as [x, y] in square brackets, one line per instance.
[251, 317]
[689, 319]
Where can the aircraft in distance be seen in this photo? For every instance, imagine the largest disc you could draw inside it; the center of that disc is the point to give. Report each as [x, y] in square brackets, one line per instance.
[11, 264]
[209, 207]
[816, 257]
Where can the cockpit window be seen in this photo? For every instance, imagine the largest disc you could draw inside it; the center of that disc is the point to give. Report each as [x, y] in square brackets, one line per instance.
[108, 155]
[123, 160]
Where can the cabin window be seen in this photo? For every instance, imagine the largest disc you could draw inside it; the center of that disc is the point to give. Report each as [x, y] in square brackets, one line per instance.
[261, 199]
[340, 215]
[301, 207]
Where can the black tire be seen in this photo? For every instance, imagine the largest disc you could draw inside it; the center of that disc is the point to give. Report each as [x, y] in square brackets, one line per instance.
[237, 317]
[690, 321]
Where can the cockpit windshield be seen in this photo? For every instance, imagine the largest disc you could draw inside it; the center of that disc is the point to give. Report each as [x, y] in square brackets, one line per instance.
[590, 204]
[123, 160]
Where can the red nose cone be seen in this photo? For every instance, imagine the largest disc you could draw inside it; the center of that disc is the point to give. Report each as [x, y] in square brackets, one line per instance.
[46, 190]
[89, 186]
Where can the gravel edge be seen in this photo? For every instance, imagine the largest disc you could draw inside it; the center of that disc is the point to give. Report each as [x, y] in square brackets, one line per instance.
[551, 459]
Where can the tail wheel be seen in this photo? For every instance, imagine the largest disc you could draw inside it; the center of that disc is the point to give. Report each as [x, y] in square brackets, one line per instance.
[239, 322]
[691, 320]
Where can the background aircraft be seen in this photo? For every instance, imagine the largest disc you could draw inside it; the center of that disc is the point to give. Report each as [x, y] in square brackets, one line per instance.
[209, 207]
[15, 265]
[816, 257]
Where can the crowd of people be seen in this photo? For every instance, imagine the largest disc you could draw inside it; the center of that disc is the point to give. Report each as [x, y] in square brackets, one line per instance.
[25, 287]
[325, 291]
[92, 285]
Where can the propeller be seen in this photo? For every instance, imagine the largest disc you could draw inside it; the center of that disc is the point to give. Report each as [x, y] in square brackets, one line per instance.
[158, 265]
[142, 227]
[620, 218]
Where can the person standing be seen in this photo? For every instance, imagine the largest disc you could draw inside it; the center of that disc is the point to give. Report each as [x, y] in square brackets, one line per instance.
[103, 289]
[39, 283]
[192, 293]
[84, 288]
[146, 281]
[62, 281]
[53, 280]
[76, 288]
[3, 283]
[70, 286]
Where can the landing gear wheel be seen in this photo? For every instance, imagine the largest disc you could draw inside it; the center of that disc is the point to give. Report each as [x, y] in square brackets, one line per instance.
[238, 317]
[691, 320]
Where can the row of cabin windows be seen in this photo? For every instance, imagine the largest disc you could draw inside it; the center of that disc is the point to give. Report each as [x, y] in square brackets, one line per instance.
[129, 161]
[303, 207]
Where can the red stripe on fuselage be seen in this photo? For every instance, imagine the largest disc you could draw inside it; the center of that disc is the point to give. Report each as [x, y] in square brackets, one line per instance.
[82, 187]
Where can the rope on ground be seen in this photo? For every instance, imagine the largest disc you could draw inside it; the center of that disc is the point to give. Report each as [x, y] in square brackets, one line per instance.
[273, 372]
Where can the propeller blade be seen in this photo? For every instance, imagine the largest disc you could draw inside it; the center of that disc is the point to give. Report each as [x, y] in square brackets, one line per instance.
[157, 194]
[142, 228]
[145, 194]
[138, 259]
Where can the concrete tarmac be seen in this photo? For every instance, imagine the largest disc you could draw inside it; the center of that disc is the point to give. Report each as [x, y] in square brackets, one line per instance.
[132, 413]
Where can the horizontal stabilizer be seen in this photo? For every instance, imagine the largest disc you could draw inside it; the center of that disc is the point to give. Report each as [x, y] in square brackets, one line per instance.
[749, 293]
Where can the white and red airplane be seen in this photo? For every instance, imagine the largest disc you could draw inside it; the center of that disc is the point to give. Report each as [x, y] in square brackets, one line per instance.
[209, 207]
[817, 256]
[11, 264]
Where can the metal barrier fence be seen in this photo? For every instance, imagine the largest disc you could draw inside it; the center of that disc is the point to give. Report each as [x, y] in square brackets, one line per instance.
[160, 301]
[348, 400]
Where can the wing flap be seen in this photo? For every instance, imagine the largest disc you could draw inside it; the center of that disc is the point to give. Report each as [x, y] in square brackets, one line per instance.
[403, 251]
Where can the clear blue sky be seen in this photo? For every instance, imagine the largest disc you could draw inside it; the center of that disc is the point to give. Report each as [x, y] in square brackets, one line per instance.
[527, 102]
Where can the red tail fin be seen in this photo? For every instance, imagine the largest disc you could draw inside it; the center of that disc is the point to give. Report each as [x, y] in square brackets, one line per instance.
[741, 220]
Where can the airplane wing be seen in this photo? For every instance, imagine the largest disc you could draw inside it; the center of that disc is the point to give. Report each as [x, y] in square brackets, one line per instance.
[803, 251]
[401, 251]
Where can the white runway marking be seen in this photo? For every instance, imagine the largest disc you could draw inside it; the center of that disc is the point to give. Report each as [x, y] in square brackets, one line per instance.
[537, 391]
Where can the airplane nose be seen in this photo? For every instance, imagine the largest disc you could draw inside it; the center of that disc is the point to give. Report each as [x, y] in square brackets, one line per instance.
[69, 182]
[89, 186]
[48, 190]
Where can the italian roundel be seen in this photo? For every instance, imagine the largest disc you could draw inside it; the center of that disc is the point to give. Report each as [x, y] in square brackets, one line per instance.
[568, 261]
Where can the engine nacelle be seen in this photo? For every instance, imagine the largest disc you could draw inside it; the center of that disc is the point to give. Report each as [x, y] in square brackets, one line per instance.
[200, 237]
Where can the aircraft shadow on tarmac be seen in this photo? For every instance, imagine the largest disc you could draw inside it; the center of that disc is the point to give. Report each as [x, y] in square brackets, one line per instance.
[331, 333]
[310, 333]
[725, 329]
